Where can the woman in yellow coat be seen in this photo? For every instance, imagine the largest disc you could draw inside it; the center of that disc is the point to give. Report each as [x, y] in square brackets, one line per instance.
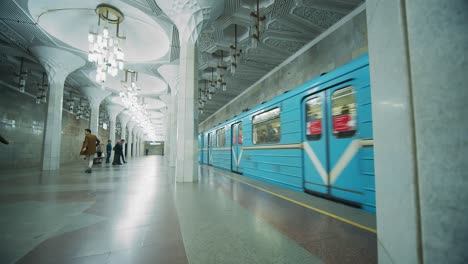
[89, 148]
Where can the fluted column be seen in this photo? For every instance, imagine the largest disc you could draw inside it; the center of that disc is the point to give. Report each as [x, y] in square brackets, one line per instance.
[140, 140]
[124, 118]
[131, 151]
[187, 116]
[58, 65]
[137, 142]
[189, 19]
[95, 97]
[171, 74]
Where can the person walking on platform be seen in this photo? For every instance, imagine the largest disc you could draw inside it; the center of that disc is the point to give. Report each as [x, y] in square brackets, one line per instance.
[108, 151]
[89, 148]
[117, 153]
[122, 154]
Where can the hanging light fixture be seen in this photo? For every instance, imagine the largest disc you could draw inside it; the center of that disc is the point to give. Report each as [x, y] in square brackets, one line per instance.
[212, 88]
[22, 76]
[258, 26]
[136, 106]
[221, 71]
[104, 48]
[42, 90]
[235, 54]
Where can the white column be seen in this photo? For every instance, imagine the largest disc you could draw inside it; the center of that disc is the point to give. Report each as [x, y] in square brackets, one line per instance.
[418, 69]
[137, 142]
[95, 97]
[58, 64]
[141, 143]
[186, 166]
[124, 118]
[172, 142]
[131, 151]
[166, 127]
[171, 74]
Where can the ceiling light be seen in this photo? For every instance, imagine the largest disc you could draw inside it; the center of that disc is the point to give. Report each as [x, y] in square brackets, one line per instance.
[104, 48]
[235, 54]
[258, 26]
[22, 76]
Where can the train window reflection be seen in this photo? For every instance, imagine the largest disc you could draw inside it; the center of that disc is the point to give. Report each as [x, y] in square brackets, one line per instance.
[221, 137]
[237, 134]
[212, 139]
[344, 112]
[314, 118]
[240, 138]
[266, 127]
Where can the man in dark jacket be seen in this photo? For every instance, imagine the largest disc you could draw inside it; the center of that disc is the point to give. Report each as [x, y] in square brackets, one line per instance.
[108, 151]
[89, 148]
[117, 153]
[123, 154]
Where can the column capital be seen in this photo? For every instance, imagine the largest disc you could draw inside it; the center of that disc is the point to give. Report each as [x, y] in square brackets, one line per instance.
[190, 16]
[170, 73]
[131, 125]
[95, 95]
[114, 110]
[124, 118]
[57, 62]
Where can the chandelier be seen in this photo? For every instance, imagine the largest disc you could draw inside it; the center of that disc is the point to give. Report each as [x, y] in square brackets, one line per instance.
[42, 90]
[104, 48]
[22, 76]
[258, 26]
[235, 54]
[213, 83]
[137, 110]
[221, 70]
[202, 97]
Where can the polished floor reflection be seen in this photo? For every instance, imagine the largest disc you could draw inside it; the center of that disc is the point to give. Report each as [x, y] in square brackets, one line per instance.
[136, 213]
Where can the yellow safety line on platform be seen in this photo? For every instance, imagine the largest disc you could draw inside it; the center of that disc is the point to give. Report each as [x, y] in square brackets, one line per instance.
[305, 205]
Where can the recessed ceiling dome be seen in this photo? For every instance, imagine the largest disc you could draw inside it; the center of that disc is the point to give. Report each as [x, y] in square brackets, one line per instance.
[71, 20]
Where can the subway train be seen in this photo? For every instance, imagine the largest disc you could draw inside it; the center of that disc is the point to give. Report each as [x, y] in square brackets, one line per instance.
[316, 138]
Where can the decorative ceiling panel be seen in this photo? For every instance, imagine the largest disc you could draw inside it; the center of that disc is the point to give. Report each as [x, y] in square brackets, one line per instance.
[290, 24]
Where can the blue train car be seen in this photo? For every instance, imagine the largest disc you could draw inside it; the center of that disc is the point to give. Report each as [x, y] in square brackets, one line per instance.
[316, 138]
[201, 142]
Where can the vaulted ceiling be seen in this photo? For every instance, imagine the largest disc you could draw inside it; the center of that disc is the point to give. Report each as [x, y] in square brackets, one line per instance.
[289, 25]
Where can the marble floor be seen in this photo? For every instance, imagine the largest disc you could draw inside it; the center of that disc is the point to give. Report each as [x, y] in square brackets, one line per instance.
[136, 213]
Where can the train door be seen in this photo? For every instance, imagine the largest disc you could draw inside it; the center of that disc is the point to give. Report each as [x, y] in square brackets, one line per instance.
[210, 148]
[236, 147]
[331, 164]
[315, 144]
[344, 143]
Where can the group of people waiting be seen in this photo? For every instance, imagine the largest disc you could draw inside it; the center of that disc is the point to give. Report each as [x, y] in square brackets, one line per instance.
[118, 152]
[89, 149]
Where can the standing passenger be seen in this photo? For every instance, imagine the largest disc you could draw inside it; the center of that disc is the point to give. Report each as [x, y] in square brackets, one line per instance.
[108, 150]
[117, 153]
[122, 153]
[89, 148]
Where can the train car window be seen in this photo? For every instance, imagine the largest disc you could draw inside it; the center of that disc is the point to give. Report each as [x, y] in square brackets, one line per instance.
[266, 127]
[234, 135]
[221, 137]
[344, 112]
[240, 138]
[212, 139]
[314, 118]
